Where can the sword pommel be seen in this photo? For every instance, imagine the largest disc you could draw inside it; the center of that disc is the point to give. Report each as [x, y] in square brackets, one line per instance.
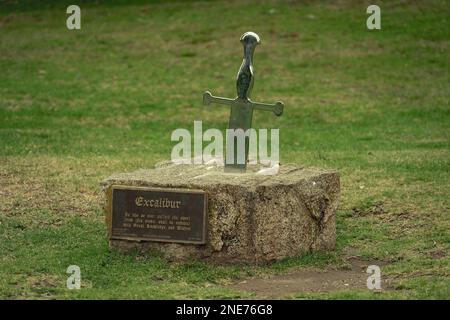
[250, 38]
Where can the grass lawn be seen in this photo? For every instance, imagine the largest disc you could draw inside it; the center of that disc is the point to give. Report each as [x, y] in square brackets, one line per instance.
[77, 106]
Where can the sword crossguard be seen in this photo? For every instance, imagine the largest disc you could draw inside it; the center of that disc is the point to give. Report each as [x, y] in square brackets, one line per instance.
[276, 108]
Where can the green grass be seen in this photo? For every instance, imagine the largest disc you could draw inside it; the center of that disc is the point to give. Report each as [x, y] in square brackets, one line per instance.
[77, 106]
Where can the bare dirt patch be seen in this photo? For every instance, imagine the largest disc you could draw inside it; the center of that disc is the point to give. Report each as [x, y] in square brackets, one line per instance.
[311, 281]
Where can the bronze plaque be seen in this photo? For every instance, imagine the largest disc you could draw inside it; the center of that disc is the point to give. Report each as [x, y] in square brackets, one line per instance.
[153, 214]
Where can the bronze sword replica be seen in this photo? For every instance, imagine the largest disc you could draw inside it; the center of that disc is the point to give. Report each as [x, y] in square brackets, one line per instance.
[242, 107]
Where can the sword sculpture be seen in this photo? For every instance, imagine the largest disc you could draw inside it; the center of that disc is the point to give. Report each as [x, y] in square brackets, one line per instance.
[242, 107]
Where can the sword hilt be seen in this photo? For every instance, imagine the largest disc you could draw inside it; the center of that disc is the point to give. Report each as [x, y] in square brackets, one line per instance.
[245, 77]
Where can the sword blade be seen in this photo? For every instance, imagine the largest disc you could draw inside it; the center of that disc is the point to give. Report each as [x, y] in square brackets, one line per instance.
[238, 141]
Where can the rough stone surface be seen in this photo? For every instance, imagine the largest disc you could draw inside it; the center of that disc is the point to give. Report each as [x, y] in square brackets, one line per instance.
[251, 217]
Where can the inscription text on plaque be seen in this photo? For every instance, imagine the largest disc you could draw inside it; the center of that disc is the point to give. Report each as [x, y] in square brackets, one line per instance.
[153, 214]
